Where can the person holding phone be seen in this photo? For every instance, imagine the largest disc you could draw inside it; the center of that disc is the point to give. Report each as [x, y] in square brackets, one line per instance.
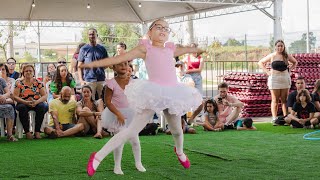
[229, 107]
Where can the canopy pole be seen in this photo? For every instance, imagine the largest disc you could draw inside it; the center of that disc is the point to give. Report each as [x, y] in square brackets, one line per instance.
[277, 27]
[308, 30]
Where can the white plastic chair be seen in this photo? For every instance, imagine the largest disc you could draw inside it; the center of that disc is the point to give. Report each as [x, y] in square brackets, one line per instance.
[2, 126]
[32, 119]
[162, 120]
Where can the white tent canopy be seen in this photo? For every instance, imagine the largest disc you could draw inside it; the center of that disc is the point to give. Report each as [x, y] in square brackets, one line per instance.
[109, 10]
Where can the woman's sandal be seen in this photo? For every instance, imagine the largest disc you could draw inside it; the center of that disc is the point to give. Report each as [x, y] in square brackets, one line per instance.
[12, 138]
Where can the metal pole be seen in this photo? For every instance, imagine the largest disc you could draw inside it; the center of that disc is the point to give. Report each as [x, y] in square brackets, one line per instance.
[68, 54]
[277, 26]
[39, 56]
[10, 50]
[308, 40]
[245, 46]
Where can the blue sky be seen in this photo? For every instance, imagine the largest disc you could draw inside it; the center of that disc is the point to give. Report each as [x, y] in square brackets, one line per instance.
[255, 24]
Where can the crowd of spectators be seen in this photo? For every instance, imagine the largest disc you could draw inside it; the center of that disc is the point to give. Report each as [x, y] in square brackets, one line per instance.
[21, 92]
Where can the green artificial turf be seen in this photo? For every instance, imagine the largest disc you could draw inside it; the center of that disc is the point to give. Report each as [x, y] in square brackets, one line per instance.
[268, 153]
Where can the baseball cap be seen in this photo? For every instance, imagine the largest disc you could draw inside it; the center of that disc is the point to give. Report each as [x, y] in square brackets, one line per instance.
[178, 63]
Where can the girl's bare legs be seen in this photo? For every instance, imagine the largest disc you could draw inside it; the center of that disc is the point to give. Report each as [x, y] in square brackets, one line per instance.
[284, 97]
[275, 95]
[139, 122]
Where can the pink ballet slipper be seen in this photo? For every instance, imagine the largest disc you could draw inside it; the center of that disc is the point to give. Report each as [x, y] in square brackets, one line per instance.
[186, 164]
[90, 169]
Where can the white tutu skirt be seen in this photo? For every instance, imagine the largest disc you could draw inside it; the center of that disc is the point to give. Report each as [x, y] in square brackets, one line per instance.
[110, 121]
[179, 99]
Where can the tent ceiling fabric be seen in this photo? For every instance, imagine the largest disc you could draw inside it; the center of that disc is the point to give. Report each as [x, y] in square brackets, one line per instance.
[109, 10]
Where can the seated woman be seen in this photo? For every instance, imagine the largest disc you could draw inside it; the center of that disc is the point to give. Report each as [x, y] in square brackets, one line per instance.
[10, 84]
[89, 113]
[302, 114]
[21, 68]
[30, 95]
[51, 69]
[6, 109]
[211, 120]
[5, 75]
[62, 78]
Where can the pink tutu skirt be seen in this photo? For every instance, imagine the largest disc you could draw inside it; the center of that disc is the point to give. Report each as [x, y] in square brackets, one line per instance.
[178, 99]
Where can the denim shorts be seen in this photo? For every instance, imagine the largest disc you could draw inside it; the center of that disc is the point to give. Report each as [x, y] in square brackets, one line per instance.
[197, 78]
[65, 126]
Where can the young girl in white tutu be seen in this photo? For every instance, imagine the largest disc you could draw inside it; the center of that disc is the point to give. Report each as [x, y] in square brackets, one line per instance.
[117, 116]
[161, 92]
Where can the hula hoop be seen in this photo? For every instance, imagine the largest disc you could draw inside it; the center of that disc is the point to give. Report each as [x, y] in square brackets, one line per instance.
[306, 136]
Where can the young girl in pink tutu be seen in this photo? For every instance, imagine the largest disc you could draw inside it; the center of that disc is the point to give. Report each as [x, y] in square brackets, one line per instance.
[161, 92]
[117, 116]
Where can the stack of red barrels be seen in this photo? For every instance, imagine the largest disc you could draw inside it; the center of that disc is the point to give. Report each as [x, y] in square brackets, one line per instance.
[309, 68]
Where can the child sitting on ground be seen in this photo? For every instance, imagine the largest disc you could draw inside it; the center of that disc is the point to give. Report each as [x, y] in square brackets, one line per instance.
[302, 114]
[211, 120]
[244, 124]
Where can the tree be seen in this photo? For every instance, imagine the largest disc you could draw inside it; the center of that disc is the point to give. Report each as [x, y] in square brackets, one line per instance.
[300, 46]
[233, 42]
[5, 36]
[50, 54]
[28, 58]
[216, 44]
[271, 43]
[111, 34]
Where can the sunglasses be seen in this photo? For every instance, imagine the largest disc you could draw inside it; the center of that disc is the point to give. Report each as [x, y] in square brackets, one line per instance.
[11, 63]
[62, 62]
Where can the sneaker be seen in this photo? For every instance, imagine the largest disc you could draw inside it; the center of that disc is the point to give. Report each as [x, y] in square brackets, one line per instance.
[275, 124]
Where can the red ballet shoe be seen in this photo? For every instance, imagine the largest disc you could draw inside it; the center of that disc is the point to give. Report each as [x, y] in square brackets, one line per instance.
[186, 164]
[90, 169]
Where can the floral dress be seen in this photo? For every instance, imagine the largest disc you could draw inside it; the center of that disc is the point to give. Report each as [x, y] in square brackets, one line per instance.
[29, 93]
[6, 110]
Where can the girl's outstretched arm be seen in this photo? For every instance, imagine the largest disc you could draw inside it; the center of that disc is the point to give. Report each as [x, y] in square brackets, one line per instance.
[183, 50]
[137, 52]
